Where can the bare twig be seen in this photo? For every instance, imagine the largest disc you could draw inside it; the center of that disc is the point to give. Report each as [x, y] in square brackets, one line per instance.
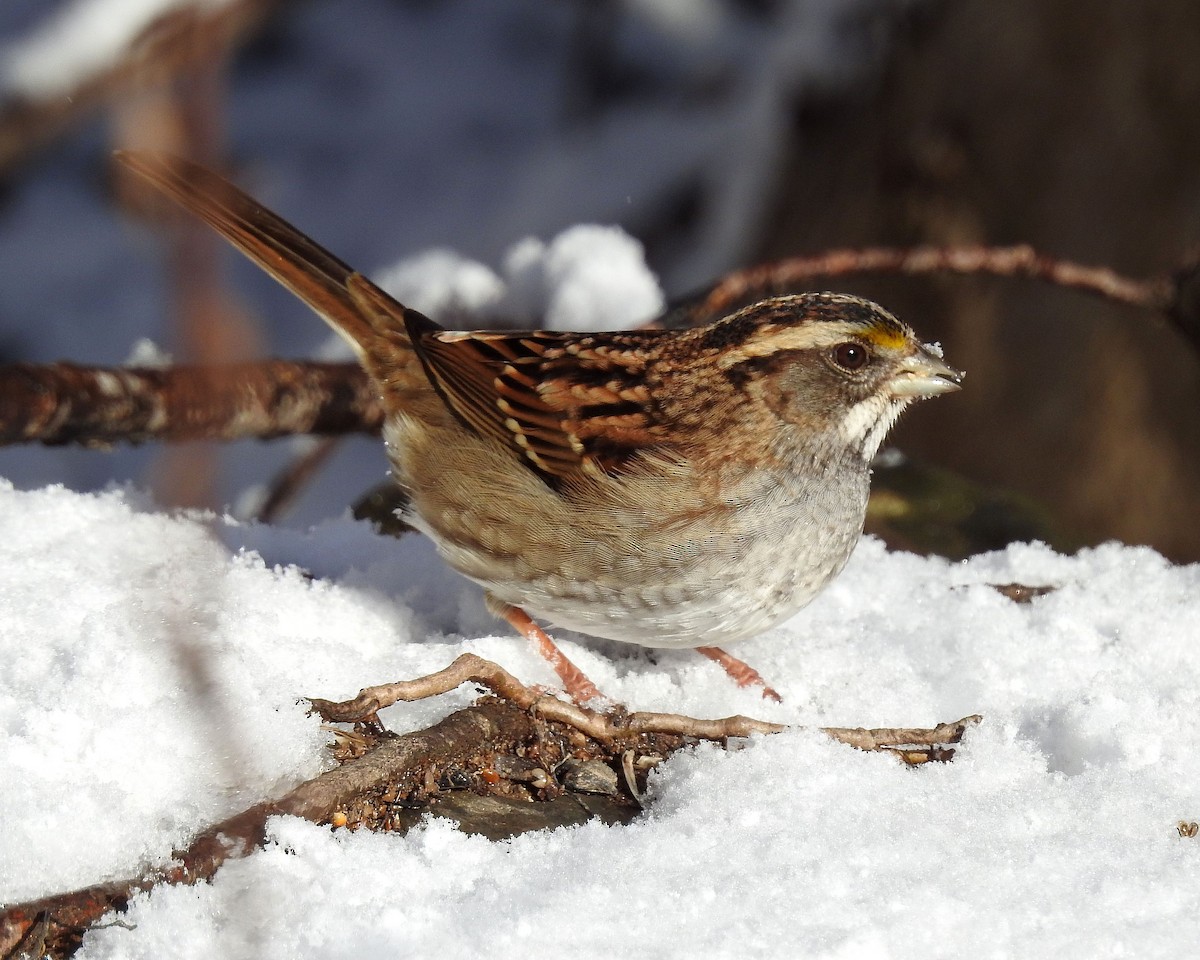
[613, 727]
[1159, 294]
[286, 486]
[64, 403]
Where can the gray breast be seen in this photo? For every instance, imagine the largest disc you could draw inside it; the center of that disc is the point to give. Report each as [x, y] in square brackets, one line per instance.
[708, 586]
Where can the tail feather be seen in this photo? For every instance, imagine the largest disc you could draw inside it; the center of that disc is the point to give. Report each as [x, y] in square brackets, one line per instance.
[310, 271]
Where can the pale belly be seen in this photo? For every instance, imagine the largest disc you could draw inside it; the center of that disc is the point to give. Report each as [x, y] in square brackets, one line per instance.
[610, 568]
[697, 588]
[729, 592]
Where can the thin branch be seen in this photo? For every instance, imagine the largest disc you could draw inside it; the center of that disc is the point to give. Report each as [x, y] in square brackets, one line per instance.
[613, 727]
[1159, 294]
[289, 482]
[95, 406]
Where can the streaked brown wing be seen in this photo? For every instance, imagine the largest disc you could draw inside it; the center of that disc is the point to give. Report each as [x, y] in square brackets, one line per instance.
[568, 404]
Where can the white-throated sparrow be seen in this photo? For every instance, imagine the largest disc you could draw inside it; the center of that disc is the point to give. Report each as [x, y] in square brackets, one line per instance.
[666, 488]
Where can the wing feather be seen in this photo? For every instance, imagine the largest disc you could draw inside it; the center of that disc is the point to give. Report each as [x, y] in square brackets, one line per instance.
[555, 399]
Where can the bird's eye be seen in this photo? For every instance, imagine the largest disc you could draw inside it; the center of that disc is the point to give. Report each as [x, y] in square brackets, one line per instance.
[850, 356]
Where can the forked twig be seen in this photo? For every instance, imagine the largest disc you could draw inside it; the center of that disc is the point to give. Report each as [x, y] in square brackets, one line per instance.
[609, 728]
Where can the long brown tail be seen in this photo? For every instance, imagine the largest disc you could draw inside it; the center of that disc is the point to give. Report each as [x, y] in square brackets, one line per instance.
[310, 271]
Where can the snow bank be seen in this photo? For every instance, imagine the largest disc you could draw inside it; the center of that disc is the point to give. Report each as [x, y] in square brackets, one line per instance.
[1051, 833]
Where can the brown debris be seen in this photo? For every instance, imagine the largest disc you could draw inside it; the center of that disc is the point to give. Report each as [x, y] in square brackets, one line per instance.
[1022, 592]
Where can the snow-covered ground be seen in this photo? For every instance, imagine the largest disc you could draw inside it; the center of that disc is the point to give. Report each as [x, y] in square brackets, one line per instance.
[1052, 833]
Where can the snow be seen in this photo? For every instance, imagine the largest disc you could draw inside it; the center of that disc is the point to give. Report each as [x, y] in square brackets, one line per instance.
[587, 278]
[151, 661]
[1051, 833]
[79, 40]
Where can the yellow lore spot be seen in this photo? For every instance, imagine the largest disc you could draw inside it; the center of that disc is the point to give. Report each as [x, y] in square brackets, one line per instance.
[888, 338]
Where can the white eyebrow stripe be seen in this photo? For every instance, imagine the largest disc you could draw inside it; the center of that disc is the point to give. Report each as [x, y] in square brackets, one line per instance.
[773, 339]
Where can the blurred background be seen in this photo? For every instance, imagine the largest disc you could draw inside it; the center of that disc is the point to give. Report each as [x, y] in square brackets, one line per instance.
[719, 133]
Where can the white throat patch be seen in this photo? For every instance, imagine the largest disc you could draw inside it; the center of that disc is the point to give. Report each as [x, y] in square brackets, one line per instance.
[868, 421]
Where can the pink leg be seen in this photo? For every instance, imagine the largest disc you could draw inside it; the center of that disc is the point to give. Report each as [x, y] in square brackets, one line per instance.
[575, 682]
[742, 673]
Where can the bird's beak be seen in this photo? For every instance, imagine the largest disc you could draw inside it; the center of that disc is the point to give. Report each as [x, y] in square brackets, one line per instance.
[924, 374]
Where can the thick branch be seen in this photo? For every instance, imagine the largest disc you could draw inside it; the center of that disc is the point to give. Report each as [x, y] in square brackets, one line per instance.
[64, 403]
[492, 725]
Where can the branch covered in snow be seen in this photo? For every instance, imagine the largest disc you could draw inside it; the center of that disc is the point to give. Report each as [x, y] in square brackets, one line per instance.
[456, 739]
